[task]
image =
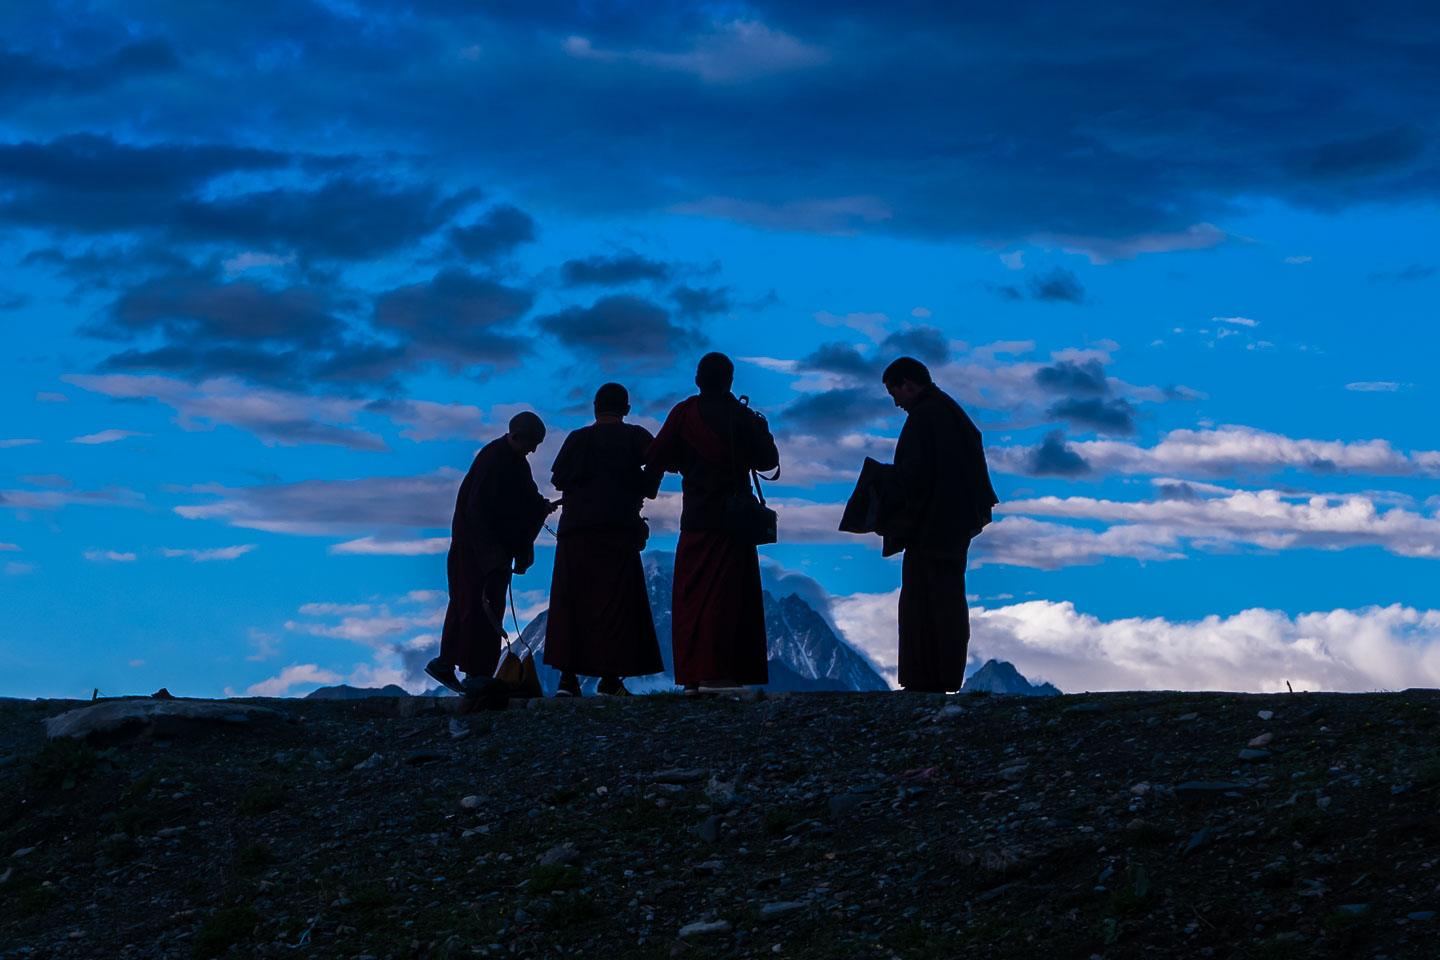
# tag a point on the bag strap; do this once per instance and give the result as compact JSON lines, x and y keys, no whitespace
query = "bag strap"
{"x":510,"y":588}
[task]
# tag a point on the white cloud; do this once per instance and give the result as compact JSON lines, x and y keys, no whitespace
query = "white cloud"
{"x":1373,"y":386}
{"x":1265,"y":519}
{"x":870,"y":324}
{"x":16,"y":569}
{"x":107,"y":436}
{"x":250,"y":259}
{"x":137,"y":663}
{"x":1298,"y":259}
{"x":6,"y":444}
{"x":334,"y":507}
{"x":1234,"y":450}
{"x":425,"y":596}
{"x":295,"y":675}
{"x":371,"y":547}
{"x":841,"y":216}
{"x":10,"y":547}
{"x":51,"y":398}
{"x":1236,"y":321}
{"x":1101,"y":250}
{"x":334,"y":609}
{"x":1014,"y":260}
{"x":921,"y":312}
{"x":732,"y":52}
{"x":208,"y":554}
{"x":109,"y":556}
{"x":1374,"y":648}
{"x":272,"y":416}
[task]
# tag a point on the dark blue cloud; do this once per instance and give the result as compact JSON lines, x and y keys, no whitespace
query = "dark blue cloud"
{"x":1114,"y":416}
{"x":1057,"y":286}
{"x":834,"y":411}
{"x":499,"y":231}
{"x":701,"y":301}
{"x":622,"y":329}
{"x":1052,"y":458}
{"x":618,"y":270}
{"x":457,"y":319}
{"x":1139,"y":127}
{"x":927,"y":344}
{"x":1067,"y":376}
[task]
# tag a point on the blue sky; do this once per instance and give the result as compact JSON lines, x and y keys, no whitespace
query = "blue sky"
{"x":269,"y":276}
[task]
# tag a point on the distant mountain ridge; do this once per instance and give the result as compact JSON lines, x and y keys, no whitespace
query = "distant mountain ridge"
{"x":803,"y":651}
{"x":344,"y":691}
{"x":1000,"y":676}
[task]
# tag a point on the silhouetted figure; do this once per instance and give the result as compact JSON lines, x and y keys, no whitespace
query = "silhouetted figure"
{"x":938,"y":497}
{"x":599,"y":623}
{"x":498,"y":513}
{"x":718,"y":616}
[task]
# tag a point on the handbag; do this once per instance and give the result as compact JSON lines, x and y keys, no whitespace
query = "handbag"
{"x":519,"y":675}
{"x":745,"y":511}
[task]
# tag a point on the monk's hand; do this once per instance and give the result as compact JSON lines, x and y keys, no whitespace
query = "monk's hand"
{"x":524,"y":561}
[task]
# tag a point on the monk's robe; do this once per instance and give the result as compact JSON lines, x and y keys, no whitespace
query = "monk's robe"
{"x":599,"y":624}
{"x":718,"y":613}
{"x":498,"y":513}
{"x":942,"y":498}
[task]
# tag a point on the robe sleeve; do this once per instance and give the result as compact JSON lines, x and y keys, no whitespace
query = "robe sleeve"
{"x":566,"y":470}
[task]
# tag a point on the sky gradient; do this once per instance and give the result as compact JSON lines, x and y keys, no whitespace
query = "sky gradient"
{"x":271,"y":273}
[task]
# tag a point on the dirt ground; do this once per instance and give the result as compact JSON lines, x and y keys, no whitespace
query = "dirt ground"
{"x":808,"y":825}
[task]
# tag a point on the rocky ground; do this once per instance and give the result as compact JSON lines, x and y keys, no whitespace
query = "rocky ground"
{"x":813,"y":825}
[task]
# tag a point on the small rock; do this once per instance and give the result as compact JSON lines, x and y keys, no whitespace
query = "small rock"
{"x":1140,"y":789}
{"x":720,"y":793}
{"x":1261,"y":741}
{"x":471,"y":802}
{"x":948,"y":712}
{"x":773,"y":911}
{"x":676,"y":775}
{"x":1250,"y":756}
{"x":23,"y":852}
{"x":1354,"y":909}
{"x":1184,"y":717}
{"x":709,"y":830}
{"x":6,"y":875}
{"x":1421,"y":915}
{"x":559,"y":854}
{"x":701,"y":929}
{"x":1199,"y":840}
{"x":458,"y":729}
{"x":169,"y":832}
{"x":422,"y":757}
{"x":370,"y":763}
{"x":709,"y":866}
{"x":1266,"y":714}
{"x":1084,"y":708}
{"x":1197,"y":787}
{"x":844,"y":804}
{"x":1323,"y":803}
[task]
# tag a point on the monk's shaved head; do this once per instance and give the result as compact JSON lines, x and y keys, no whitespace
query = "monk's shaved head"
{"x":527,"y":429}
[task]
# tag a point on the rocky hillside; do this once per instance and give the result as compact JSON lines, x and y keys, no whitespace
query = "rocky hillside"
{"x":816,"y":825}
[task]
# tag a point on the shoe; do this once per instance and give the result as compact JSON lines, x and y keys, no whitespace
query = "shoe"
{"x":444,"y":674}
{"x":569,"y":686}
{"x":721,"y":686}
{"x":612,"y":687}
{"x":690,"y":690}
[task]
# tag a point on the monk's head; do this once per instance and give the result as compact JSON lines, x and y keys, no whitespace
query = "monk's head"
{"x":612,"y":400}
{"x":905,"y":380}
{"x":715,"y":373}
{"x":527,"y":431}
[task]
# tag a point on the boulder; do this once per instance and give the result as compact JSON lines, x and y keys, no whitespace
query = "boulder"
{"x":149,"y":716}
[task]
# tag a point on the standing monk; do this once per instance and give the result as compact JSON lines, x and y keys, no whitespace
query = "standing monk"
{"x":599,"y":623}
{"x":718,"y":615}
{"x":942,"y":497}
{"x":498,"y":514}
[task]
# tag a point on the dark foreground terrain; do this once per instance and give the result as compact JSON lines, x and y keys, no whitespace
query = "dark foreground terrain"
{"x":813,"y":825}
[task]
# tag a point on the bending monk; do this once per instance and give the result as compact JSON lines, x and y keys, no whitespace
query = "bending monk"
{"x":498,"y":513}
